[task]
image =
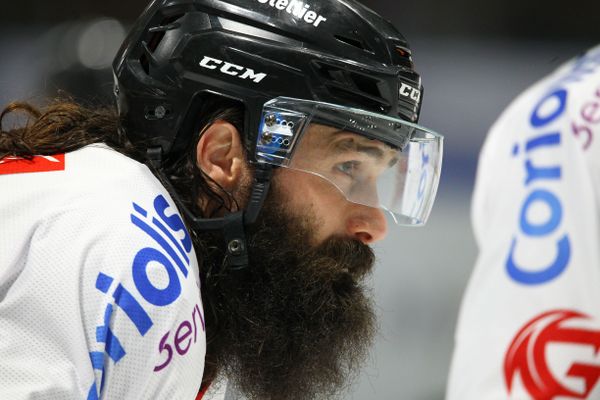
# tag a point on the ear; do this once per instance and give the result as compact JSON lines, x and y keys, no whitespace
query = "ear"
{"x":220,"y":155}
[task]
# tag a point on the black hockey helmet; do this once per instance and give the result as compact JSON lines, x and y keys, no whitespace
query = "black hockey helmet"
{"x":330,"y":51}
{"x":291,"y":64}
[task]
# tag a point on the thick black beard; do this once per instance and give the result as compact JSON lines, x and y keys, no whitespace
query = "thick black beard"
{"x":297,"y":323}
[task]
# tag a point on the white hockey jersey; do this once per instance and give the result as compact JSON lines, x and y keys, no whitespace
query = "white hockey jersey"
{"x":529,"y":327}
{"x":99,"y":286}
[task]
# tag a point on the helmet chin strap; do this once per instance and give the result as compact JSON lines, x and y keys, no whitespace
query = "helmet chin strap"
{"x":232,"y":224}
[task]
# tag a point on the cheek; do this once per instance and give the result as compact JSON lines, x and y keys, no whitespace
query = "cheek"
{"x":317,"y":199}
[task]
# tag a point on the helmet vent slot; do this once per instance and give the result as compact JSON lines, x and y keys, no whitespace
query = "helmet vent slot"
{"x":401,"y":56}
{"x":354,"y":81}
{"x":359,"y":100}
{"x":156,"y":35}
{"x":353,"y":42}
{"x":366,"y":84}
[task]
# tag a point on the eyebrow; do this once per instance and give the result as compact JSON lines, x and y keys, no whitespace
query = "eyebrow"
{"x":350,"y":144}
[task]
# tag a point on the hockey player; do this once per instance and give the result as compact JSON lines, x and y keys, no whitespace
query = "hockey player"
{"x":220,"y":226}
{"x":529,"y":327}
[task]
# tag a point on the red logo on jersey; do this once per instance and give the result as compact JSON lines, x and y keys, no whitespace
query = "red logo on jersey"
{"x":527,"y":355}
{"x":18,"y":165}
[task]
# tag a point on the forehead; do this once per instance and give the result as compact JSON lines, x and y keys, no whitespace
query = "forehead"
{"x":322,"y":136}
{"x":322,"y":140}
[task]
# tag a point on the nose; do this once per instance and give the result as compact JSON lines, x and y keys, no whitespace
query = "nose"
{"x":367,"y":224}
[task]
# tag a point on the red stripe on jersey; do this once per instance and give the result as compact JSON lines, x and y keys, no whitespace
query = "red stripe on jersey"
{"x":202,"y":392}
{"x":17,"y":165}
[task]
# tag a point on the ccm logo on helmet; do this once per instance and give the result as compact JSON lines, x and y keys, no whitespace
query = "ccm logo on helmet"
{"x":409,"y":91}
{"x":232,"y":69}
{"x":298,"y":9}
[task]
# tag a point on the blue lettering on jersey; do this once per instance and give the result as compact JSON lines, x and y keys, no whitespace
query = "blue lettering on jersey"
{"x":154,"y":234}
{"x":174,"y":222}
{"x":153,"y":295}
{"x":174,"y":246}
{"x":539,"y":180}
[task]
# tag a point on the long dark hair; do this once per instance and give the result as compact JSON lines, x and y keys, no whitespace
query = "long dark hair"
{"x":60,"y":127}
{"x":64,"y":126}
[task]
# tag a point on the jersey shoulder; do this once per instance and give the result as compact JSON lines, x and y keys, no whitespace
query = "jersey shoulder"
{"x":554,"y":123}
{"x":555,"y":98}
{"x":104,"y":240}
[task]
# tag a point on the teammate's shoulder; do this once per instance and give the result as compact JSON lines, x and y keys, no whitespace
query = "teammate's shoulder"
{"x":572,"y":76}
{"x":567,"y":80}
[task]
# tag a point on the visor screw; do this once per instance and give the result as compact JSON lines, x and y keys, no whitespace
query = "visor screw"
{"x":235,"y":247}
{"x":266,"y":138}
{"x":270,"y":120}
{"x":160,"y":112}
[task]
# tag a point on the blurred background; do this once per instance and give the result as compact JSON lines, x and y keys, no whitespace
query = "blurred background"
{"x":474,"y":57}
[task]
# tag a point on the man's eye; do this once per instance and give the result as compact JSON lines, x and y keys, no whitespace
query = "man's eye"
{"x":348,"y":168}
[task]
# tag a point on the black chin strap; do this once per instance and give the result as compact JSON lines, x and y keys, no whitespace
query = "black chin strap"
{"x":233,"y":224}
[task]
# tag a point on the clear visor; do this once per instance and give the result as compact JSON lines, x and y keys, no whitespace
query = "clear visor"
{"x":374,"y":160}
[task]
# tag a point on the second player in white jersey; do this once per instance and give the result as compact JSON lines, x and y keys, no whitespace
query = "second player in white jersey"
{"x":529,"y":327}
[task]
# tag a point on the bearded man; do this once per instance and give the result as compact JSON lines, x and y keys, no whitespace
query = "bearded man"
{"x":217,"y":228}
